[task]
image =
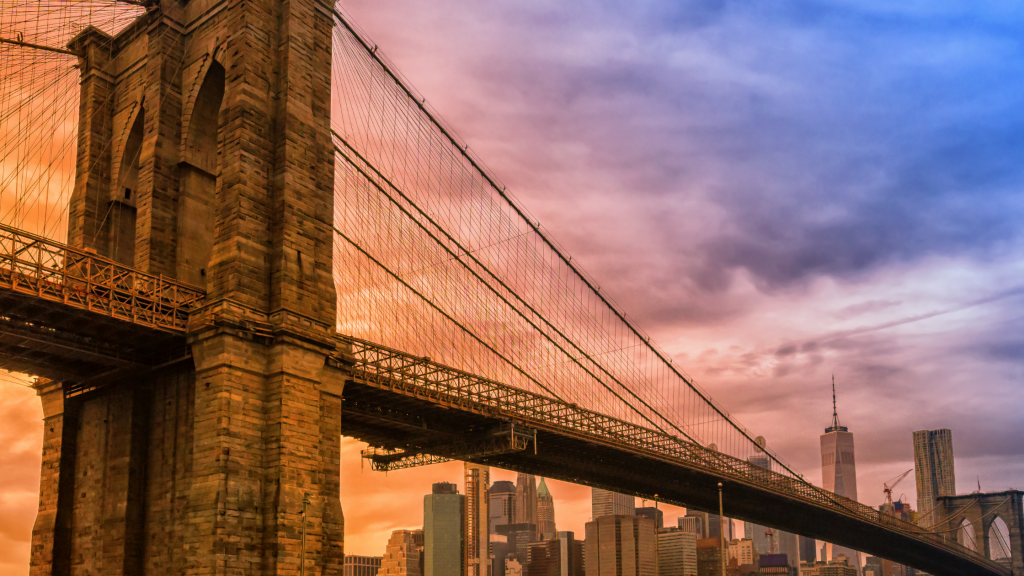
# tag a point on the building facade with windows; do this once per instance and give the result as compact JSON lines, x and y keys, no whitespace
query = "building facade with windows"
{"x":677,"y":552}
{"x":710,"y":557}
{"x":501,"y":508}
{"x":933,"y":470}
{"x":607,"y":503}
{"x":361,"y":565}
{"x":621,"y":545}
{"x":442,"y":531}
{"x":559,"y":556}
{"x":403,"y":555}
{"x":545,"y":512}
{"x":476,"y":536}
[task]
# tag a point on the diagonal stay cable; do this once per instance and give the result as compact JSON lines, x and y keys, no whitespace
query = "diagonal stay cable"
{"x":447,"y":316}
{"x":512,"y":364}
{"x":458,"y":257}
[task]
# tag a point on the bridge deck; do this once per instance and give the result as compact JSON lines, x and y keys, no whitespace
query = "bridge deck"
{"x":398,"y":400}
{"x":67,"y":314}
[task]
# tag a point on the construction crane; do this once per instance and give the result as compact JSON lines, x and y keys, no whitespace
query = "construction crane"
{"x":888,"y":488}
{"x":771,"y":541}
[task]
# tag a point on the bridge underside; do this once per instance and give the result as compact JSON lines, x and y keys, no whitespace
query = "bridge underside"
{"x":59,"y":342}
{"x":384,"y":418}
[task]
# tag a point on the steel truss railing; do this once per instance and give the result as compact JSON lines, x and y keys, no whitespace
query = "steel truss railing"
{"x":40,"y":267}
{"x":421,"y":378}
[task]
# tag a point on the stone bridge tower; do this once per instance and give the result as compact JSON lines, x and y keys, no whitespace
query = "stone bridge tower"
{"x":981,"y":510}
{"x":205,"y":155}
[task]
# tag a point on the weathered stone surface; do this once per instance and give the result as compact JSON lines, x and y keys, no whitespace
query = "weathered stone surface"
{"x":205,"y":155}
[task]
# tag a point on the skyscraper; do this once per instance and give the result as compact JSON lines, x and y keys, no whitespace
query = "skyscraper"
{"x":620,"y":545}
{"x":677,"y":552}
{"x":838,"y":468}
{"x":653,"y":513}
{"x":764,"y":537}
{"x":501,"y":508}
{"x":807,"y":549}
{"x":501,"y":511}
{"x":709,"y":525}
{"x":518,"y":537}
{"x":402,"y":557}
{"x":442,"y":531}
{"x":499,"y":553}
{"x":526,"y":499}
{"x":692,"y":524}
{"x":606,"y":503}
{"x":475,"y":529}
{"x":545,"y":512}
{"x":933,"y":467}
{"x":710,"y":557}
{"x":559,"y":556}
{"x":716,"y":523}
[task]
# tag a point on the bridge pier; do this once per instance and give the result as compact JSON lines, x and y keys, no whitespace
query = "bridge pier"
{"x":267,"y":433}
{"x":50,"y":531}
{"x":204,"y":155}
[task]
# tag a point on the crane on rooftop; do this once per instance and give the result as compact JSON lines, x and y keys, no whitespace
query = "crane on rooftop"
{"x":888,"y":488}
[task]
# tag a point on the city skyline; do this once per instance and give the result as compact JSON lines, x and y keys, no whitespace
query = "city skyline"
{"x":902,"y":309}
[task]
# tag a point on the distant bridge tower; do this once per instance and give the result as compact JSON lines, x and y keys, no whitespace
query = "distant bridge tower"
{"x":980,"y":511}
{"x":204,"y":154}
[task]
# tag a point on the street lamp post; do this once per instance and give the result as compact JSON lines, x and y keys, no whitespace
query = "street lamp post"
{"x":657,"y":555}
{"x":721,"y":526}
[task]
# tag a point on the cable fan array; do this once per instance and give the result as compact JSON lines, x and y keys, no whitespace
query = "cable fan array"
{"x":436,"y":258}
{"x":39,"y":106}
{"x":432,"y":255}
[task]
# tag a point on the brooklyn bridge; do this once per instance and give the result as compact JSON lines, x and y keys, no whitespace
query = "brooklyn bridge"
{"x":268,"y":241}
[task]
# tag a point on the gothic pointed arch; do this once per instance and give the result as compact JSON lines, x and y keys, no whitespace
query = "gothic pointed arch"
{"x":198,"y":177}
{"x":122,"y":211}
{"x":201,"y":138}
{"x":128,"y":167}
{"x":998,"y":539}
{"x":965,"y":535}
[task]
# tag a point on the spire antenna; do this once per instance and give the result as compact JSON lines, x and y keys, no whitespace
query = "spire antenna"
{"x":835,"y":413}
{"x":835,"y":427}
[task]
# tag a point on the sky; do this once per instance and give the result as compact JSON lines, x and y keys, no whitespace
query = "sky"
{"x":776,"y":192}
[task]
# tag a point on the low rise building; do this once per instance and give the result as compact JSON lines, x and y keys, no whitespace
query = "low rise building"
{"x":361,"y":565}
{"x":839,"y":567}
{"x":777,"y":564}
{"x":742,"y":549}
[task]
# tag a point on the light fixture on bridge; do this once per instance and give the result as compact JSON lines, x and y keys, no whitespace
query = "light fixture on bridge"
{"x":505,"y":439}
